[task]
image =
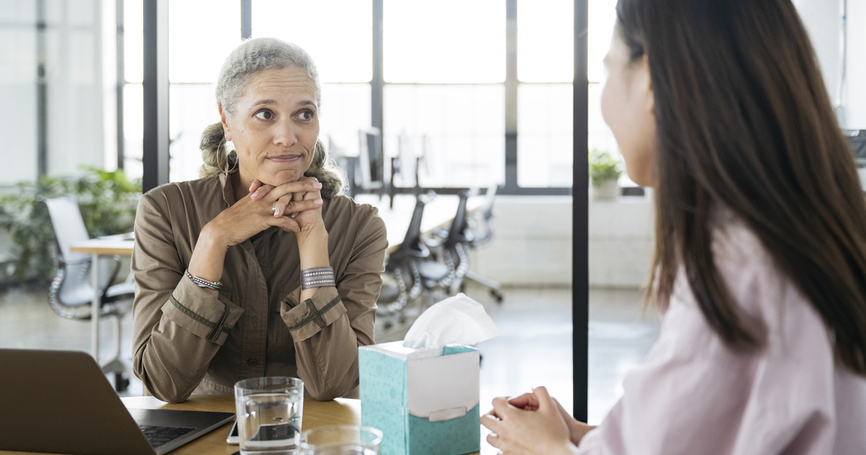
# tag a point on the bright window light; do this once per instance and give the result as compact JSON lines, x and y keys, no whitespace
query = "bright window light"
{"x":602,"y":14}
{"x":545,"y":40}
{"x":544,"y":135}
{"x":457,"y":130}
{"x":448,"y":41}
{"x":133,"y":40}
{"x":338,"y":34}
{"x":200,"y":37}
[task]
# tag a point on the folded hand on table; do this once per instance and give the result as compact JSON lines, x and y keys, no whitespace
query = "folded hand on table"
{"x":533,"y":423}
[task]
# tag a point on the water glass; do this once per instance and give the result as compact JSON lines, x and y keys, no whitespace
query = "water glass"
{"x":269,"y":412}
{"x":340,"y":440}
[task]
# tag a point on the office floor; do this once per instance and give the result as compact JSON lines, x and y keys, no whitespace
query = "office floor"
{"x":533,"y":347}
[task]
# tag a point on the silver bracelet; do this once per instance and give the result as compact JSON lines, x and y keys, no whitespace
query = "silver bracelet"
{"x":203,"y":283}
{"x":317,"y":277}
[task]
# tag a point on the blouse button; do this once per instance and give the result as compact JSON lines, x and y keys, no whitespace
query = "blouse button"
{"x":252,"y":362}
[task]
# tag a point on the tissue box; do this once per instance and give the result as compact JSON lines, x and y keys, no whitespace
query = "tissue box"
{"x":425,"y":401}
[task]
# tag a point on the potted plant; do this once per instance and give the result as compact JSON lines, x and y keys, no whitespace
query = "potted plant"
{"x":604,"y":171}
{"x":107,"y":201}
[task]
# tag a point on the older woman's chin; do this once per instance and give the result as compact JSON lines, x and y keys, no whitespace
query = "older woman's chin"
{"x":282,"y":177}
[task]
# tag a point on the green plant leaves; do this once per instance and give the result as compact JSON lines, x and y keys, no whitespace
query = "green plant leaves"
{"x":603,"y":166}
{"x":107,"y":200}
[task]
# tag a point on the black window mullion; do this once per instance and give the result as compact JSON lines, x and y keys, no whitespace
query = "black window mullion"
{"x":580,"y":218}
{"x":511,"y":83}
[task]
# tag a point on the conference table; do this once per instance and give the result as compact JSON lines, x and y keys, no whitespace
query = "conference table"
{"x":342,"y":411}
{"x":437,"y":214}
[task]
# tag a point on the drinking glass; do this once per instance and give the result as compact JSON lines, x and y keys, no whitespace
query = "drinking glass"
{"x":269,"y":412}
{"x":340,"y":440}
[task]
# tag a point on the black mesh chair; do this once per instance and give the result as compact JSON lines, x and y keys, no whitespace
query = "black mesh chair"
{"x":71,"y":293}
{"x":411,"y":268}
{"x":464,"y":234}
{"x":483,"y":223}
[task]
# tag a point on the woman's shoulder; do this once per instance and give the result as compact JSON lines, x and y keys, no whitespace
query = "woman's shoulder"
{"x":174,"y":192}
{"x":757,"y":282}
{"x":344,"y":214}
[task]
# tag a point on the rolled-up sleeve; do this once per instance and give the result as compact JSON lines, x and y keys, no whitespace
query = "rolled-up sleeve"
{"x":177,"y":326}
{"x":328,"y":328}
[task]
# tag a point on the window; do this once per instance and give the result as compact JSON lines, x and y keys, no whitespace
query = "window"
{"x":545,"y":40}
{"x":338,"y":34}
{"x":456,"y":130}
{"x":544,"y":143}
{"x":446,"y":96}
{"x":448,"y":41}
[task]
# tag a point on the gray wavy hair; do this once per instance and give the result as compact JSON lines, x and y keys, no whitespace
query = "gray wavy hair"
{"x":249,"y":59}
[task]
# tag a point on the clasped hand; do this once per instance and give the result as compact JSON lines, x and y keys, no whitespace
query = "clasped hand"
{"x":533,"y":423}
{"x":294,"y":206}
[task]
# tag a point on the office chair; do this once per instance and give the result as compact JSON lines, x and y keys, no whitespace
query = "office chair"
{"x":456,"y":242}
{"x":484,"y":220}
{"x":71,"y":292}
{"x":411,"y":267}
{"x":453,"y":244}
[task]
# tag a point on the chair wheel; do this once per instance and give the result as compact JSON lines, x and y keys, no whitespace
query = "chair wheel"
{"x":121,"y":382}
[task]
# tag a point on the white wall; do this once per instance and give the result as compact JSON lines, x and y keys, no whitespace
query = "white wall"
{"x":532,"y":242}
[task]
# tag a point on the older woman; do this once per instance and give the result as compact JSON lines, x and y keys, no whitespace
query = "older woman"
{"x":260,"y":267}
{"x":760,"y":265}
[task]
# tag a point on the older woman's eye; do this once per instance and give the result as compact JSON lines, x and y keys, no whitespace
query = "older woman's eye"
{"x":306,"y":115}
{"x":264,"y":115}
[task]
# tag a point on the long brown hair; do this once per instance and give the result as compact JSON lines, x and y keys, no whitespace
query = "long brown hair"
{"x":744,"y":121}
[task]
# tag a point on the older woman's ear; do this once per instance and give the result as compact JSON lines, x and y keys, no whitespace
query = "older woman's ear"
{"x":224,"y":121}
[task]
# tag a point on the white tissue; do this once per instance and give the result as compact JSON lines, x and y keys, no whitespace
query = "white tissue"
{"x":455,"y":320}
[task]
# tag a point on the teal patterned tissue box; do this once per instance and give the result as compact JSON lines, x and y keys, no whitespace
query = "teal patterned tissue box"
{"x":425,"y":401}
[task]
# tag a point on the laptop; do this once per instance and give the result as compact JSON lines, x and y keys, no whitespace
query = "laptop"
{"x":60,"y":402}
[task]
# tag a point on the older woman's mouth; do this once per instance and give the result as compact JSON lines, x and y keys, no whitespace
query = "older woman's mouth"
{"x":284,"y":158}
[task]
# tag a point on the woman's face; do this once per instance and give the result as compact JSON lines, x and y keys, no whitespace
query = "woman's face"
{"x":627,"y":108}
{"x":275,"y":126}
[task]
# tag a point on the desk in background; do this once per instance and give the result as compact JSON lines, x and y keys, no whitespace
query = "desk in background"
{"x":120,"y":245}
{"x":437,"y":214}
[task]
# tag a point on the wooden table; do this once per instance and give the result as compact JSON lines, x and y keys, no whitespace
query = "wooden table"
{"x":342,"y":411}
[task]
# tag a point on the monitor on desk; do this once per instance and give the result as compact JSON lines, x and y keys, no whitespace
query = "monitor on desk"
{"x":372,"y":164}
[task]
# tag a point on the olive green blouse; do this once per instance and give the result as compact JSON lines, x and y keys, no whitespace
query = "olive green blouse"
{"x":187,"y":341}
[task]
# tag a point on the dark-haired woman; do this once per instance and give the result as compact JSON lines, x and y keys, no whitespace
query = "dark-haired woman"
{"x":760,"y":264}
{"x":261,"y":267}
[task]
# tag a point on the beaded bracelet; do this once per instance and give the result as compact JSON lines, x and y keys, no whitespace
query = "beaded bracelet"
{"x":317,"y":277}
{"x":203,"y":283}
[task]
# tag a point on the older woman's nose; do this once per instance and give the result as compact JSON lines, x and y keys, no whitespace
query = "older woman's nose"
{"x":285,"y":133}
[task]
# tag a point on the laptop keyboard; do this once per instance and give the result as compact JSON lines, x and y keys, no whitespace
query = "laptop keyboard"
{"x":158,"y":436}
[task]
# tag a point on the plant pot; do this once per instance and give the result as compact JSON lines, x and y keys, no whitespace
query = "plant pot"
{"x":607,"y":191}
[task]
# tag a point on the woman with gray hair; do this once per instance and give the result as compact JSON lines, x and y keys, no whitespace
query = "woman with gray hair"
{"x":261,"y":267}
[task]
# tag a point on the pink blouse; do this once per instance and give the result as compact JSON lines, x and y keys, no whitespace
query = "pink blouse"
{"x":693,"y":395}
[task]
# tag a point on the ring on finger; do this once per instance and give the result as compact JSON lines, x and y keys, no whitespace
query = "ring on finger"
{"x":274,"y":208}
